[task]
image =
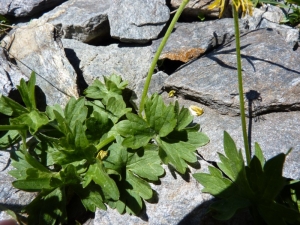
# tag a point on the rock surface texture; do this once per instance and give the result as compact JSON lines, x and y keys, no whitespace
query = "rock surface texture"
{"x":82,"y":20}
{"x":20,"y":8}
{"x":198,"y":63}
{"x":139,"y":26}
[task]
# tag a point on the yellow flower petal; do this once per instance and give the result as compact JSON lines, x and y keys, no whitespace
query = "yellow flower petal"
{"x":172,"y":93}
{"x":102,"y":154}
{"x":195,"y":110}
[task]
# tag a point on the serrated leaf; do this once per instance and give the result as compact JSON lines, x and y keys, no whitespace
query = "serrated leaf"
{"x":197,"y":139}
{"x":184,"y":118}
{"x":8,"y":138}
{"x":178,"y":153}
{"x":34,"y":120}
{"x":146,"y":164}
{"x":97,"y":173}
{"x":136,"y":131}
{"x":214,"y":184}
{"x":160,"y":117}
{"x":35,"y":181}
{"x":75,"y":112}
{"x":139,"y":186}
{"x":91,"y":197}
{"x":50,"y":111}
{"x":117,"y":108}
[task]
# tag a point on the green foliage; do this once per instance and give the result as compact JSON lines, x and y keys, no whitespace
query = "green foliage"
{"x":94,"y":149}
{"x":259,"y":186}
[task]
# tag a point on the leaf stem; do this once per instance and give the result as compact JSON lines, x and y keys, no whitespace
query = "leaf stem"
{"x":105,"y":142}
{"x":157,"y":54}
{"x":13,"y":127}
{"x":240,"y":83}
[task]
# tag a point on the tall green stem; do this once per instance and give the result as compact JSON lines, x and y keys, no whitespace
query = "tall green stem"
{"x":240,"y":82}
{"x":157,"y":54}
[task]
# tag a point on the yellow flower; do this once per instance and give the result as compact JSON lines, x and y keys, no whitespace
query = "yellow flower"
{"x":102,"y":154}
{"x":195,"y":110}
{"x":246,"y":6}
{"x":172,"y":93}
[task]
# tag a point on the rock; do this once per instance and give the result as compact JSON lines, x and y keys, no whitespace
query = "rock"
{"x":10,"y":197}
{"x":275,"y":132}
{"x":82,"y":20}
{"x":130,"y":62}
{"x":270,"y":67}
{"x":188,"y":41}
{"x":156,"y":86}
{"x":19,"y":8}
{"x":10,"y":75}
{"x":179,"y":202}
{"x":137,"y":21}
{"x":269,"y":16}
{"x":45,"y":55}
{"x":197,"y":8}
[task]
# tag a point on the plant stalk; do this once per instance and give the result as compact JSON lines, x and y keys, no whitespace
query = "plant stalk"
{"x":157,"y":54}
{"x":240,"y":83}
{"x":105,"y":142}
{"x":13,"y":127}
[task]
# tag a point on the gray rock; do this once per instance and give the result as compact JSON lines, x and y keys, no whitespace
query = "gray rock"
{"x":275,"y":132}
{"x":270,"y":66}
{"x":10,"y":197}
{"x":137,"y":21}
{"x":130,"y":62}
{"x":45,"y":55}
{"x":10,"y":75}
{"x":20,"y":8}
{"x":156,"y":86}
{"x":191,"y":40}
{"x":269,"y":16}
{"x":82,"y":20}
{"x":195,"y":8}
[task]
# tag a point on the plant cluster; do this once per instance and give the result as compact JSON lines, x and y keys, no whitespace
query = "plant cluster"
{"x":95,"y":152}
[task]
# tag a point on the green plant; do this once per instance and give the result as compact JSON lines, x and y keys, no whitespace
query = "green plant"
{"x":254,"y":184}
{"x":257,"y":186}
{"x":95,"y":151}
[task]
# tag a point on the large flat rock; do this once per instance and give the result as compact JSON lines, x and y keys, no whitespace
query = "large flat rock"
{"x":130,"y":62}
{"x":45,"y":55}
{"x":271,"y":68}
{"x":191,"y":40}
{"x":138,"y":21}
{"x":20,"y":8}
{"x":82,"y":20}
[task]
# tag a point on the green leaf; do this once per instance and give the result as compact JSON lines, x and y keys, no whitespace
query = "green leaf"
{"x":178,"y":153}
{"x":160,"y":117}
{"x":75,"y":112}
{"x":226,"y":208}
{"x":112,"y":88}
{"x":139,"y":186}
{"x":136,"y":131}
{"x":97,"y":173}
{"x":97,"y":126}
{"x":184,"y":117}
{"x":146,"y":164}
{"x":49,"y":208}
{"x":28,"y":91}
{"x":35,"y":181}
{"x":11,"y":108}
{"x":91,"y":197}
{"x":197,"y":139}
{"x":214,"y":184}
{"x":259,"y":154}
{"x":34,"y":120}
